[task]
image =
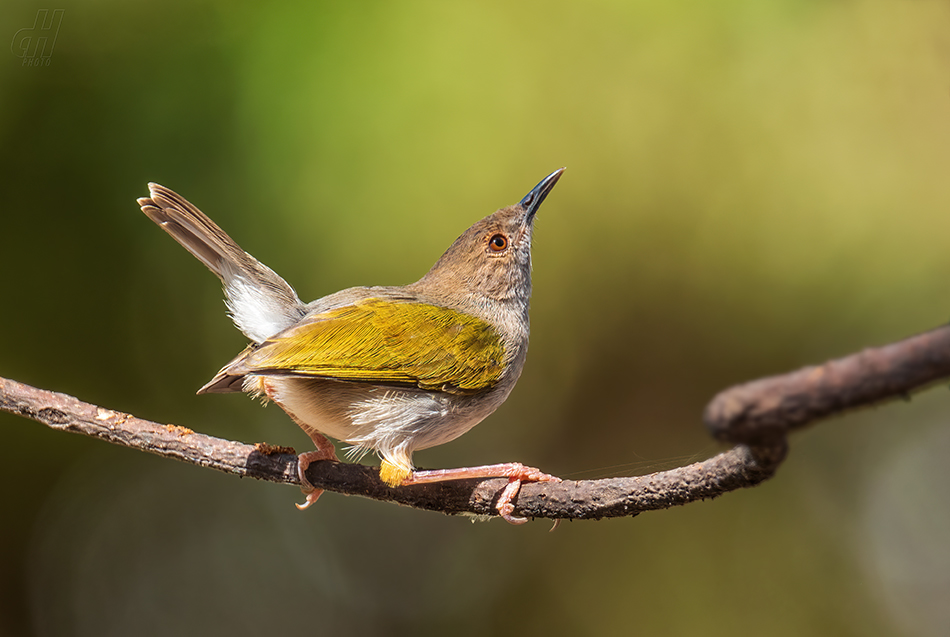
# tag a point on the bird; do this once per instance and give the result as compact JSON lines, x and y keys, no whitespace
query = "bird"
{"x":387,"y":369}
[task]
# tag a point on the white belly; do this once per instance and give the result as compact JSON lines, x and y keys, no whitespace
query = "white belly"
{"x":393,"y":422}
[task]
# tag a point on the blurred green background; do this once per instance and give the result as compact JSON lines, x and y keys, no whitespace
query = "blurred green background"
{"x":751,"y":187}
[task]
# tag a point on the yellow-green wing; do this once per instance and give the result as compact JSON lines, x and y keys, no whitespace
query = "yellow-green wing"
{"x":382,"y":341}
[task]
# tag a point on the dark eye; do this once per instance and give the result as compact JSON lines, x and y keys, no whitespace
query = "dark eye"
{"x":498,"y":243}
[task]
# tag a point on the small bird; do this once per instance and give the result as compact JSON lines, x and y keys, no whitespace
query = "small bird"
{"x":389,"y":369}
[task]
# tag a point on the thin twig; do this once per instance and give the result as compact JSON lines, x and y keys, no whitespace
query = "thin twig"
{"x":755,"y":416}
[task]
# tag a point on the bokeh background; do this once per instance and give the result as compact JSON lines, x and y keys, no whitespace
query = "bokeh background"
{"x":751,"y":187}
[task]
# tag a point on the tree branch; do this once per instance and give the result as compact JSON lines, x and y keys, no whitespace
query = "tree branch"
{"x":771,"y":407}
{"x":756,"y":417}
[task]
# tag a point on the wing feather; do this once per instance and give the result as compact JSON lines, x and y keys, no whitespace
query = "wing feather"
{"x":383,"y":341}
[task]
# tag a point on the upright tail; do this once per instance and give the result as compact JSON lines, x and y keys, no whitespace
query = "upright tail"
{"x":260,"y":302}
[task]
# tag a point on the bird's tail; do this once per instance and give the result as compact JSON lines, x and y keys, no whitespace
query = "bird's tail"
{"x":260,"y":302}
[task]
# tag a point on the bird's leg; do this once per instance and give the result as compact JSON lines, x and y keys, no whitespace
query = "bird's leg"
{"x":324,"y":451}
{"x":514,"y":471}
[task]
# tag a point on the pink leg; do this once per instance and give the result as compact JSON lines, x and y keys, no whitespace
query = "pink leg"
{"x":325,"y":451}
{"x":514,"y":471}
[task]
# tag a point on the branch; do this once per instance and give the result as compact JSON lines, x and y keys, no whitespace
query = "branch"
{"x":756,"y":417}
{"x":773,"y":406}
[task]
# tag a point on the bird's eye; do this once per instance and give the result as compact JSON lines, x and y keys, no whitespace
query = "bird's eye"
{"x":498,"y":243}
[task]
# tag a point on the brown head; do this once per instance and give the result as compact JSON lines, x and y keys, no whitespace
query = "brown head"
{"x":492,"y":259}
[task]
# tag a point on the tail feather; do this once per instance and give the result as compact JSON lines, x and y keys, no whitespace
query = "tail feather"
{"x":260,"y":302}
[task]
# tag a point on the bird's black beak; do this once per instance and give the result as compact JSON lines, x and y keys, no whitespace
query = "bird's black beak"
{"x":532,"y":201}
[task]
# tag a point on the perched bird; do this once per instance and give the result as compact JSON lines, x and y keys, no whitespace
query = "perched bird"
{"x":389,"y":369}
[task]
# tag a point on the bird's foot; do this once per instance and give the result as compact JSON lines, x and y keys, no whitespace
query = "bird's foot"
{"x":514,"y":471}
{"x":325,"y":451}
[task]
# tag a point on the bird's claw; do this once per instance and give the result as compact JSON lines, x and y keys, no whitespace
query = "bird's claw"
{"x":518,"y":474}
{"x":303,"y":461}
{"x":313,"y":494}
